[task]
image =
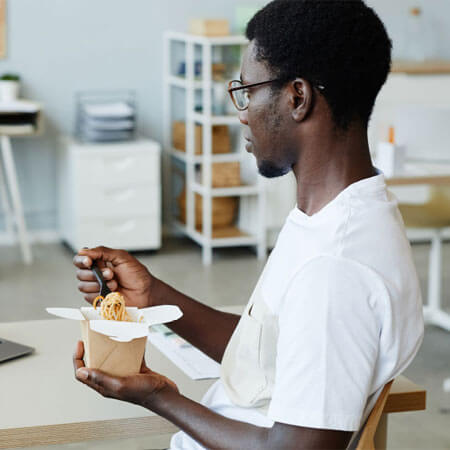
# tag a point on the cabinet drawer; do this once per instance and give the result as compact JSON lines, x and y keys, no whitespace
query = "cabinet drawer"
{"x":131,"y":233}
{"x":115,"y":168}
{"x":100,"y":201}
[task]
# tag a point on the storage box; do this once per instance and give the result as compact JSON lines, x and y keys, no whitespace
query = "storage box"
{"x":220,"y":138}
{"x":117,"y":347}
{"x":224,"y":210}
{"x":209,"y":27}
{"x":226,"y":174}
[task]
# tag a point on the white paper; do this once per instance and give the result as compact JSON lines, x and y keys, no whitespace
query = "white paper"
{"x":194,"y":363}
{"x":18,"y":106}
{"x":113,"y":110}
{"x":107,"y":124}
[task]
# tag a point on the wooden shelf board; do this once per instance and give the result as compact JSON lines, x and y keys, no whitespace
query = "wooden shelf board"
{"x":215,"y":157}
{"x":228,"y":232}
{"x":421,"y":68}
{"x":222,"y":232}
{"x":231,"y":232}
{"x":232,"y":191}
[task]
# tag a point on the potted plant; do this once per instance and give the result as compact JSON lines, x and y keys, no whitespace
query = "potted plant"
{"x":9,"y":87}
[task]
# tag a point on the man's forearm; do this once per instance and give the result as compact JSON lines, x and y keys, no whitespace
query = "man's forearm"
{"x":207,"y":427}
{"x":202,"y":326}
{"x":215,"y":431}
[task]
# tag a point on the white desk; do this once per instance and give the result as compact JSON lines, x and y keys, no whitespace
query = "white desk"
{"x":41,"y":403}
{"x":10,"y":187}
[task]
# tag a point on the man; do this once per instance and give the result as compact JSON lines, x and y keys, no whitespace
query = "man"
{"x":336,"y":313}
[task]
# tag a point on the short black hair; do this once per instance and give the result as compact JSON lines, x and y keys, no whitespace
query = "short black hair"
{"x":340,"y":44}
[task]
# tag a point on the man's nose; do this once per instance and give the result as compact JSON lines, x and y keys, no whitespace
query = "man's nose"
{"x":243,"y":117}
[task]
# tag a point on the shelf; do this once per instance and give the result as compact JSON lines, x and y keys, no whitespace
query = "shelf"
{"x":204,"y":119}
{"x":221,"y":237}
{"x":235,"y":191}
{"x":431,"y":67}
{"x":215,"y":157}
{"x":191,"y":44}
{"x":181,"y":82}
{"x":202,"y":40}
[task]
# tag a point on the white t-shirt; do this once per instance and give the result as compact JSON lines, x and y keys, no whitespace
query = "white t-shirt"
{"x":344,"y":289}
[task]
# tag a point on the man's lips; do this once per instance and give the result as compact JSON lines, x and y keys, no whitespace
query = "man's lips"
{"x":248,"y":144}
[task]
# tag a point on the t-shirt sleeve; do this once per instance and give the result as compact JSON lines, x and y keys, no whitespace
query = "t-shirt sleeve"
{"x":327,"y":347}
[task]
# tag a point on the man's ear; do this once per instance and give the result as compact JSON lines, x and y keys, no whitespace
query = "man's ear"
{"x":300,"y":98}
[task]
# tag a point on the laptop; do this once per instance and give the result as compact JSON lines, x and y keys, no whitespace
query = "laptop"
{"x":11,"y":350}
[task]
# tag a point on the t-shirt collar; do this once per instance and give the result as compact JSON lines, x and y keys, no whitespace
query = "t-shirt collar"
{"x":366,"y":185}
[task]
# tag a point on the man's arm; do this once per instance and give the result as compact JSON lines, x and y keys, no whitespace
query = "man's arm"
{"x":204,"y":327}
{"x":160,"y":395}
{"x":215,"y":431}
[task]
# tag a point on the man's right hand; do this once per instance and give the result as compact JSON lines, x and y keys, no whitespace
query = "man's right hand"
{"x":123,"y":273}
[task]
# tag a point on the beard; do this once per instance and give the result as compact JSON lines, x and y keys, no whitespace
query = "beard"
{"x":270,"y":170}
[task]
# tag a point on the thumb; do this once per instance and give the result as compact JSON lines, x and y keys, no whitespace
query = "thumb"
{"x":106,"y":254}
{"x":98,"y":379}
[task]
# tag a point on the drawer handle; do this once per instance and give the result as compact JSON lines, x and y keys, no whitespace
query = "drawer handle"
{"x":122,"y":195}
{"x":126,"y":227}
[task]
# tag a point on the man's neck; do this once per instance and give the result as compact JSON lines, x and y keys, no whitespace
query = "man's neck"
{"x":331,"y":162}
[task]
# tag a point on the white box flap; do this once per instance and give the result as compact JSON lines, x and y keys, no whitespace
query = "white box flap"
{"x":160,"y":314}
{"x":66,"y":313}
{"x":119,"y":331}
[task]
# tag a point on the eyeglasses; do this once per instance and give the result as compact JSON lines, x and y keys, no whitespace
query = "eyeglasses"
{"x":239,"y":92}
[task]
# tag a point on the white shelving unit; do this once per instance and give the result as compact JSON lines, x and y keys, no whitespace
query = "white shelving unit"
{"x":206,"y":238}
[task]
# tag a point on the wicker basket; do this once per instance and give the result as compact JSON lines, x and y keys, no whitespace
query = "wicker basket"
{"x":220,"y":138}
{"x":224,"y":210}
{"x":224,"y":174}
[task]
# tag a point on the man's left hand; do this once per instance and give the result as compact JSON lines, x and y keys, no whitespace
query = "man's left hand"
{"x":139,"y":389}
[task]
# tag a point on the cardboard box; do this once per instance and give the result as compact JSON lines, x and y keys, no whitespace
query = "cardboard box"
{"x":220,"y":138}
{"x":224,"y":210}
{"x":112,"y":346}
{"x":209,"y":27}
{"x":226,"y":174}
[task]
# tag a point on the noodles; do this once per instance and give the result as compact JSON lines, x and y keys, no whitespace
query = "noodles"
{"x":112,"y":307}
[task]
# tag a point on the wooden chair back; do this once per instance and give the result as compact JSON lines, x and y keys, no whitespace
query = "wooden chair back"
{"x":367,"y":439}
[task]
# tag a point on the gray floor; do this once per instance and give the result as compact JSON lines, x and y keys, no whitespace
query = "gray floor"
{"x":25,"y":291}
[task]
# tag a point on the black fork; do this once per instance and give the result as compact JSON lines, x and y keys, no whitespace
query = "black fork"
{"x":104,"y":289}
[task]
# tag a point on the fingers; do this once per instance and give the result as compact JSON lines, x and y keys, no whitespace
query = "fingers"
{"x":144,"y":368}
{"x":89,"y":288}
{"x":93,"y":291}
{"x":91,"y":297}
{"x":103,"y":383}
{"x":78,"y":362}
{"x":94,"y":287}
{"x":106,"y":254}
{"x":88,"y":275}
{"x":89,"y":285}
{"x":82,"y":261}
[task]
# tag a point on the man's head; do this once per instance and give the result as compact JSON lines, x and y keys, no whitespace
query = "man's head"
{"x":329,"y":59}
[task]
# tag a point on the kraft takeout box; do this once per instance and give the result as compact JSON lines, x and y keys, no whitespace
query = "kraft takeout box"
{"x":112,"y":346}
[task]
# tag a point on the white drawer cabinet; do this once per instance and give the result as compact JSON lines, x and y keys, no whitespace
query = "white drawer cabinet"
{"x":110,"y":194}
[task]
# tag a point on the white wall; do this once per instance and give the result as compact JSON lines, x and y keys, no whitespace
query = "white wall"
{"x":62,"y":46}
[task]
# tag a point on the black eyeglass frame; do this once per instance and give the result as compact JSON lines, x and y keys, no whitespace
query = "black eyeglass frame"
{"x":246,"y":86}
